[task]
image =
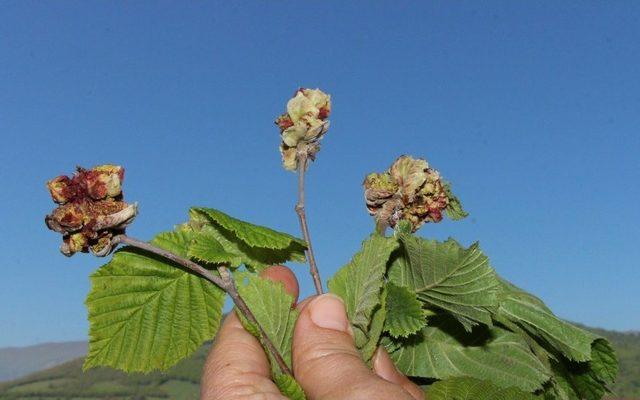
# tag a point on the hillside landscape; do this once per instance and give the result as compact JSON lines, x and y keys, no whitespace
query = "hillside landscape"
{"x":68,"y":382}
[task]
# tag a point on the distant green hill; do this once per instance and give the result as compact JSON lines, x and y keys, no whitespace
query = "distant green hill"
{"x":67,"y":381}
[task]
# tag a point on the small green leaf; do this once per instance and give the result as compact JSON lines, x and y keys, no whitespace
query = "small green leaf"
{"x":146,"y":313}
{"x":448,"y":276}
{"x":255,"y":258}
{"x":454,"y":210}
{"x":205,"y":248}
{"x":405,"y":315}
{"x":376,"y":327}
{"x":272,"y":307}
{"x":252,"y":235}
{"x":444,"y":350}
{"x":359,"y":284}
{"x":289,"y":387}
{"x":466,"y":388}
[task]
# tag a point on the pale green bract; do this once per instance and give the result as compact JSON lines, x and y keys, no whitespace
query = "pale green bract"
{"x":146,"y":313}
{"x":445,"y":275}
{"x":359,"y":284}
{"x":474,"y":389}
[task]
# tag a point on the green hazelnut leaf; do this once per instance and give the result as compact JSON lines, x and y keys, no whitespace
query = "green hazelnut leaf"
{"x":405,"y":315}
{"x":273,"y":308}
{"x":252,"y":235}
{"x":255,"y":258}
{"x":530,"y":313}
{"x":466,"y":388}
{"x":146,"y":313}
{"x":359,"y":283}
{"x":447,"y":276}
{"x":444,"y":349}
{"x":207,"y":249}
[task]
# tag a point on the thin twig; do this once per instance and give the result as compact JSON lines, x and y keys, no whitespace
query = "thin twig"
{"x":224,"y":282}
{"x":190,"y":265}
{"x":313,"y":267}
{"x":239,"y":302}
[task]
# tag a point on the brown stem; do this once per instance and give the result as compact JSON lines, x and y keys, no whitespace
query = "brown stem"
{"x":313,"y":267}
{"x":224,"y":282}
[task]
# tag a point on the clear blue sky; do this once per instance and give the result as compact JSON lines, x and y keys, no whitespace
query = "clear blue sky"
{"x":532,"y":110}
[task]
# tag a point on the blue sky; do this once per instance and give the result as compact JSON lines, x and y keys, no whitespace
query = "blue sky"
{"x":531,"y":110}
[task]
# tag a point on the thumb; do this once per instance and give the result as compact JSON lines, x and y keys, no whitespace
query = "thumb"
{"x":326,"y":362}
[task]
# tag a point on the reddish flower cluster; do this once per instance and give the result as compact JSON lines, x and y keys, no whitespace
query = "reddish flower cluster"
{"x":91,"y":210}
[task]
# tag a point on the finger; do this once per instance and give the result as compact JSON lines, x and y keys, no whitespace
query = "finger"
{"x":280,"y":273}
{"x":384,"y":367}
{"x":237,"y":365}
{"x":325,"y":360}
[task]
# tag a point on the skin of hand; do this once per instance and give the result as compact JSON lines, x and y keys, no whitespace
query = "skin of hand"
{"x":325,"y":360}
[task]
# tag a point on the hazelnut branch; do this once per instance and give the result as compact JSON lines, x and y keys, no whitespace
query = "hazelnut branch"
{"x":313,"y":268}
{"x":224,"y":282}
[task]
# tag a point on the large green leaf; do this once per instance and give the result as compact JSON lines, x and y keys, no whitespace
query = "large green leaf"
{"x":583,"y":364}
{"x":207,"y":230}
{"x":474,"y":389}
{"x":532,"y":315}
{"x":252,"y":235}
{"x":405,"y":315}
{"x":359,"y":284}
{"x":447,"y":276}
{"x":443,"y":350}
{"x":273,"y":308}
{"x":146,"y":313}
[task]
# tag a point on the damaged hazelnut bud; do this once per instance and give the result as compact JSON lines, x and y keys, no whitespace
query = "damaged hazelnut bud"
{"x":411,"y":191}
{"x":303,"y":125}
{"x":91,"y":209}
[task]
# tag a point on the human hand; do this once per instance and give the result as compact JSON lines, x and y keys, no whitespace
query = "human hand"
{"x":326,"y":362}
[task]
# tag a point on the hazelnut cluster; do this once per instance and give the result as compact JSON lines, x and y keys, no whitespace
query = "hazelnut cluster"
{"x":409,"y":190}
{"x":90,"y":209}
{"x":303,"y":125}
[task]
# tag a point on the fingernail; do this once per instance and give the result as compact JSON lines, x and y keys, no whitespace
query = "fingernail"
{"x":384,"y":367}
{"x":327,"y":311}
